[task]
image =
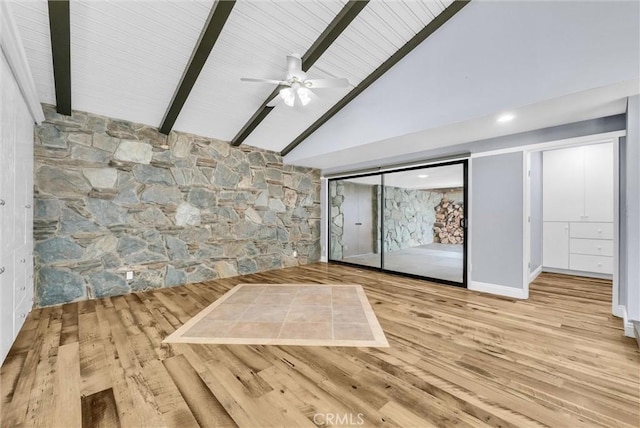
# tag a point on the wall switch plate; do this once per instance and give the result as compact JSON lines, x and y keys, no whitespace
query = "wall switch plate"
{"x":130,"y":275}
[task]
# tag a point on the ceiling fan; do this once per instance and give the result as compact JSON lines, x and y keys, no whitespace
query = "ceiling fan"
{"x":298,"y":87}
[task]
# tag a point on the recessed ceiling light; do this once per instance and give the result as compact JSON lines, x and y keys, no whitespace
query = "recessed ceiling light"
{"x":423,"y":176}
{"x":507,"y":117}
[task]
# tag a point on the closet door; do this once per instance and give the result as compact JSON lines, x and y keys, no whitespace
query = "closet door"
{"x":563,"y":184}
{"x":598,"y":161}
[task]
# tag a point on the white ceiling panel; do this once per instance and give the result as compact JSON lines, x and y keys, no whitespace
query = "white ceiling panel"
{"x":127,"y":57}
{"x":373,"y":36}
{"x":255,"y":42}
{"x":32,"y":20}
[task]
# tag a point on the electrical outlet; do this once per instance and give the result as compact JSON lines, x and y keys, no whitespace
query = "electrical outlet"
{"x":295,"y":253}
{"x":130,"y":275}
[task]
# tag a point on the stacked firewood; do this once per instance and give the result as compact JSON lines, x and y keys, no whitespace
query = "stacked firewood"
{"x":447,"y":228}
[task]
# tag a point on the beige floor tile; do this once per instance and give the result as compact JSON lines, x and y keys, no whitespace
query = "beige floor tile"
{"x":227,"y":311}
{"x":251,"y":289}
{"x":242,"y":298}
{"x":352,"y":331}
{"x":310,"y":289}
{"x":259,"y":330}
{"x":345,"y":299}
{"x":312,"y":299}
{"x":309,"y":313}
{"x":210,"y":328}
{"x":354,"y":313}
{"x":266,"y":313}
{"x":274,"y":299}
{"x":306,"y":330}
{"x":283,"y":289}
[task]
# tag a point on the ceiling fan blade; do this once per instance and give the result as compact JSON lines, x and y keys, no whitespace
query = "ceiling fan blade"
{"x":275,"y":101}
{"x":294,"y":65}
{"x":275,"y":82}
{"x":326,"y":83}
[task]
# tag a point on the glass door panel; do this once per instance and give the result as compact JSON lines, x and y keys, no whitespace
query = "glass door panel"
{"x":423,"y":222}
{"x":354,"y":223}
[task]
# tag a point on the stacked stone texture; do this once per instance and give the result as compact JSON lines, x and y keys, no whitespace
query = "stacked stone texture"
{"x":114,"y":196}
{"x":448,"y":228}
{"x":409,"y":216}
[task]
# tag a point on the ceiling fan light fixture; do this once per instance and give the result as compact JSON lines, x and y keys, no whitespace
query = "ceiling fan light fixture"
{"x":305,"y":95}
{"x":288,"y":96}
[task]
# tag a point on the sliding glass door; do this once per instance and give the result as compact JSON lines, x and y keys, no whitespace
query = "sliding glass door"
{"x":410,"y":221}
{"x":354,"y":206}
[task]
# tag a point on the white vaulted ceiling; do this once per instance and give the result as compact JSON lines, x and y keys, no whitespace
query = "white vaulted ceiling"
{"x":549,"y":62}
{"x":128,"y":56}
{"x":254,"y":43}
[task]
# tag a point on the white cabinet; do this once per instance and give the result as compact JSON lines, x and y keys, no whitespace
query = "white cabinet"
{"x":578,"y":208}
{"x":563,"y":185}
{"x":16,"y":209}
{"x":598,"y":183}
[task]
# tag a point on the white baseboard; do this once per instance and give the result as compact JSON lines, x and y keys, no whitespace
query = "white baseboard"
{"x":618,"y":311}
{"x":501,"y":290}
{"x":533,"y":275}
{"x":628,"y":325}
{"x":578,"y":273}
{"x":323,"y":259}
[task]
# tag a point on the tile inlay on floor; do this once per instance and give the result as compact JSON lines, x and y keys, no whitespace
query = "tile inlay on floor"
{"x":286,"y":314}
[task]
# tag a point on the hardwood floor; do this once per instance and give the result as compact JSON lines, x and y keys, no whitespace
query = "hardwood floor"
{"x":456,"y":358}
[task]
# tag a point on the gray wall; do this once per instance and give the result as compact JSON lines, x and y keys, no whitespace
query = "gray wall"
{"x":496,"y":219}
{"x":622,"y":223}
{"x":114,"y":196}
{"x":536,"y":210}
{"x":631,"y":250}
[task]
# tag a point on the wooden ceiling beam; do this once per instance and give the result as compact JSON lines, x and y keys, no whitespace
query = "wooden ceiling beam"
{"x":328,"y":36}
{"x":420,"y":37}
{"x":218,"y":16}
{"x":60,"y":32}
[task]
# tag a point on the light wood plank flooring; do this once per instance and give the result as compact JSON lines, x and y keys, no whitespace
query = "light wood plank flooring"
{"x":456,"y":358}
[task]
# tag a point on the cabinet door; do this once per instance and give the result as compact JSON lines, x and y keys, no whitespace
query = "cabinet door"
{"x":563,"y":184}
{"x":598,"y":162}
{"x":6,"y":304}
{"x":555,"y":242}
{"x":9,"y":94}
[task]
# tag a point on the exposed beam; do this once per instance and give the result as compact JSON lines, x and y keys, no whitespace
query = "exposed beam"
{"x":60,"y":30}
{"x":328,"y":36}
{"x":218,"y":16}
{"x":420,"y":37}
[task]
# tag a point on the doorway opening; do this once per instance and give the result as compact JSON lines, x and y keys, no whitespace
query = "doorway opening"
{"x":410,"y":221}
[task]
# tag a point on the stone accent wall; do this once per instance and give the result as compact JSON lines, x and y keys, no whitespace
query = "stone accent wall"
{"x":336,"y":213}
{"x":409,"y":216}
{"x":113,"y":196}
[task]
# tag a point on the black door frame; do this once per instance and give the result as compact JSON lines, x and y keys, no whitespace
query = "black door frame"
{"x":465,"y":228}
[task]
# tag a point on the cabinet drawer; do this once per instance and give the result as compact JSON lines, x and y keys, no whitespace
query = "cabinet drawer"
{"x":593,"y":247}
{"x":591,"y":230}
{"x":585,"y":263}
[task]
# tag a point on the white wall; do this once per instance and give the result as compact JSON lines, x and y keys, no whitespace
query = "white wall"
{"x":493,"y":55}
